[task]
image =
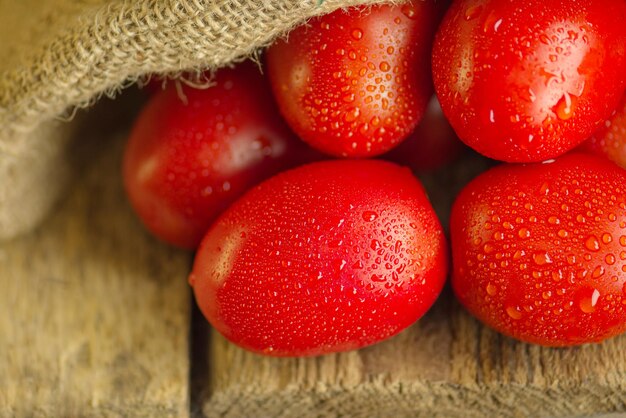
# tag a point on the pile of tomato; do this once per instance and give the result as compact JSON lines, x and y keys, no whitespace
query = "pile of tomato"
{"x":308,"y":245}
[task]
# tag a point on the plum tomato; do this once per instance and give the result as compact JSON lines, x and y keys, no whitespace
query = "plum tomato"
{"x":539,"y":250}
{"x":610,"y":140}
{"x":432,"y":145}
{"x":327,"y":257}
{"x":354,"y":83}
{"x":185,"y":162}
{"x":524,"y":81}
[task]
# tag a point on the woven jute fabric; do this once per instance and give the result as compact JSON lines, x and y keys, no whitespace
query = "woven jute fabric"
{"x":60,"y":55}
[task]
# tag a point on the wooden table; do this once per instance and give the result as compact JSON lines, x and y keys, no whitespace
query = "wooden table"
{"x":96,"y":320}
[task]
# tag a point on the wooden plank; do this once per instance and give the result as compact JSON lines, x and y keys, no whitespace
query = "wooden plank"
{"x":94,"y":313}
{"x":446,"y":365}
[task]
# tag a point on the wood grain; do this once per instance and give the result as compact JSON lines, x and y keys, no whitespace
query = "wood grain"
{"x":94,"y":314}
{"x":446,"y":365}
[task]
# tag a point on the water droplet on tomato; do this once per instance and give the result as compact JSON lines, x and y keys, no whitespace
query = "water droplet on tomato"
{"x":473,"y":12}
{"x":377,"y":278}
{"x":542,"y":258}
{"x":357,"y":33}
{"x":369,"y":216}
{"x":491,"y":289}
{"x":589,"y":300}
{"x":598,"y":272}
{"x":349,"y":98}
{"x":514,"y":312}
{"x":564,"y":107}
{"x":409,"y":11}
{"x":592,"y":243}
{"x":352,"y":114}
{"x":609,"y":259}
{"x":497,"y":24}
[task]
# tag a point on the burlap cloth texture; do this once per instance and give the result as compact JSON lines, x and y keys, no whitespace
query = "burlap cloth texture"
{"x":57,"y":55}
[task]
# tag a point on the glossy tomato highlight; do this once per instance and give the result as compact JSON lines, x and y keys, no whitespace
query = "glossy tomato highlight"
{"x":328,"y":257}
{"x":539,"y":250}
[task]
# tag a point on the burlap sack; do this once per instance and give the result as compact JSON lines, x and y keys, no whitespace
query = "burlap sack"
{"x":57,"y":55}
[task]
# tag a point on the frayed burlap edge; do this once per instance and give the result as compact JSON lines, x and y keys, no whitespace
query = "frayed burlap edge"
{"x":102,"y":53}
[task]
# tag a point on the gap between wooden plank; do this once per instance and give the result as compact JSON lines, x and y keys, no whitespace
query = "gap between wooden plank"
{"x":199,"y":366}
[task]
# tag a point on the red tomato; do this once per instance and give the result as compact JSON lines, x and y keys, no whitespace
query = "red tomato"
{"x":529,"y":80}
{"x":610,"y":140}
{"x":432,"y":145}
{"x":186,"y":162}
{"x":539,"y":250}
{"x":328,"y":257}
{"x":355,"y":83}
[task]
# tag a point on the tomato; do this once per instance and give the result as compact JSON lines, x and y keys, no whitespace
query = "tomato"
{"x":524,"y":81}
{"x":327,"y":257}
{"x":610,"y":140}
{"x":355,"y":83}
{"x":432,"y":145}
{"x":539,"y":250}
{"x":185,"y":162}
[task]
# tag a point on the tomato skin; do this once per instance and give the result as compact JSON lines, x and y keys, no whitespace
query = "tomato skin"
{"x":610,"y":140}
{"x":539,"y":250}
{"x":527,"y":81}
{"x":327,"y":257}
{"x":432,"y":145}
{"x":355,"y":83}
{"x":185,"y":163}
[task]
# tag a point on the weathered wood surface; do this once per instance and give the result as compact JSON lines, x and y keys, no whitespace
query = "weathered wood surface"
{"x":94,"y":314}
{"x":446,"y":365}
